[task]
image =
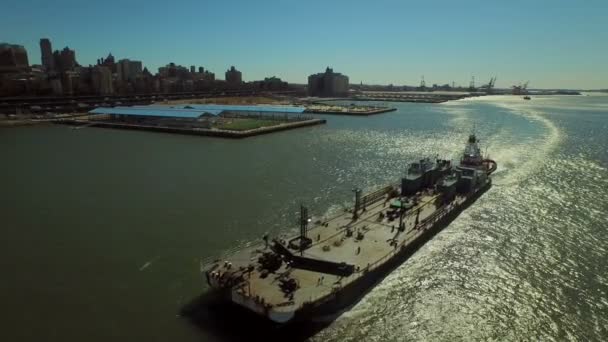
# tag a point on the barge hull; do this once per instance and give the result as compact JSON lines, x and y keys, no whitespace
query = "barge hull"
{"x":355,"y":291}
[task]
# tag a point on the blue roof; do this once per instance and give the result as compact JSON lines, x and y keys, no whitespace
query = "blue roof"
{"x":154,"y":111}
{"x":194,"y":110}
{"x":235,"y":108}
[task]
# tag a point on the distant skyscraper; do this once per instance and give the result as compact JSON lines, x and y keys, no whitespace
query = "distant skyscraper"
{"x":46,"y":54}
{"x":67,"y":59}
{"x":171,"y":70}
{"x":328,"y":84}
{"x":209,"y":76}
{"x":122,"y":69}
{"x":108,"y":62}
{"x":192,"y":69}
{"x":271,"y":83}
{"x":109,"y":59}
{"x":102,"y":80}
{"x":135,"y":68}
{"x":68,"y":81}
{"x":13,"y":58}
{"x":233,"y":76}
{"x":128,"y":70}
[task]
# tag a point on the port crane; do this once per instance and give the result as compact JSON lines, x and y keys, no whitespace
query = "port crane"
{"x":520,"y":89}
{"x":489,"y":87}
{"x":472,"y":84}
{"x":422,"y":86}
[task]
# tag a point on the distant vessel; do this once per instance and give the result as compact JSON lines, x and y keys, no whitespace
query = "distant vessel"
{"x":527,"y":97}
{"x":334,"y":262}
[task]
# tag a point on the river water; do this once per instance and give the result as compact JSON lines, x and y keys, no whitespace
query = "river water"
{"x":103,"y":230}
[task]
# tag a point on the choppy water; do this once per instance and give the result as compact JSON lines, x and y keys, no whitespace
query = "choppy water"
{"x":529,"y":260}
{"x":103,"y":230}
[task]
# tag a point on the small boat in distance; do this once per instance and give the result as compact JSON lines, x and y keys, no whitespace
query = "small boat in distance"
{"x":527,"y":97}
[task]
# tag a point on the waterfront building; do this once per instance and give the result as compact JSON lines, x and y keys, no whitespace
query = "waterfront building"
{"x":270,"y":83}
{"x":13,"y":58}
{"x":66,"y":59}
{"x":122,"y":70}
{"x":328,"y":84}
{"x":109,"y":62}
{"x":233,"y":76}
{"x":101,"y":79}
{"x":172,"y":70}
{"x":55,"y":84}
{"x":135,"y":68}
{"x":209,"y":76}
{"x":69,"y":80}
{"x":46,"y":54}
{"x":128,"y":70}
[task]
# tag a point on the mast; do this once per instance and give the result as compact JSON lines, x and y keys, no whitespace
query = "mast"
{"x":304,"y":219}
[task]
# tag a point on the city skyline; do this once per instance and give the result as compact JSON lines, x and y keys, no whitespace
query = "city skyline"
{"x":551,"y":44}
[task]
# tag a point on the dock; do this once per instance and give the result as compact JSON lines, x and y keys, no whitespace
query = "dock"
{"x":226,"y":121}
{"x":347,"y":110}
{"x":416,"y":97}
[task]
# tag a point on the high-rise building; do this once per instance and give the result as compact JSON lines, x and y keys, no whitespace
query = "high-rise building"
{"x":46,"y":54}
{"x":13,"y":58}
{"x":328,"y":84}
{"x":67,"y":59}
{"x":56,"y":86}
{"x":192,"y":69}
{"x":128,"y":70}
{"x":110,"y":59}
{"x":171,"y":70}
{"x":101,"y":78}
{"x":123,"y":70}
{"x":233,"y":76}
{"x":69,"y":79}
{"x":108,"y":62}
{"x":209,"y":76}
{"x":135,"y":68}
{"x":271,"y":83}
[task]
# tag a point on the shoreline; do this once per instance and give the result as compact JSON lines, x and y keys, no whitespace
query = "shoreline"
{"x":19,"y":123}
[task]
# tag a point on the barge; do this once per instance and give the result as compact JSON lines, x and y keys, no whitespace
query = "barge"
{"x":331,"y":263}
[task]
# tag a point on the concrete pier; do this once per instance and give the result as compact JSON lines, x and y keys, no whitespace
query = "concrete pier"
{"x":346,"y":111}
{"x":419,"y":97}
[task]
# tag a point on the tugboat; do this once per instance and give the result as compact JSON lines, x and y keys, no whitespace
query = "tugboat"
{"x":331,"y":264}
{"x":527,"y":97}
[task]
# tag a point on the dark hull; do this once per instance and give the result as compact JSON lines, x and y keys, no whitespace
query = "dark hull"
{"x":355,"y":291}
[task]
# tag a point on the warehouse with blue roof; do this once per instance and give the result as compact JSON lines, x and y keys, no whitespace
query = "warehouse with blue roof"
{"x":227,"y":121}
{"x":194,"y":110}
{"x":193,"y":115}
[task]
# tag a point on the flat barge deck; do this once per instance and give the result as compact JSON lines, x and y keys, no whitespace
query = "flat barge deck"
{"x":337,"y":259}
{"x":380,"y":240}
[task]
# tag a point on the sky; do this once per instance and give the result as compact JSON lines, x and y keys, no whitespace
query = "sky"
{"x":551,"y":43}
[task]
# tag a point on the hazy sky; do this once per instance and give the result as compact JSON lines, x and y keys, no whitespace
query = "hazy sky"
{"x":551,"y":43}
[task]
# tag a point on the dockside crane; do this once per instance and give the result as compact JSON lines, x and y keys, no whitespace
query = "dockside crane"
{"x":521,"y":89}
{"x":422,"y":84}
{"x":472,"y":84}
{"x":489,"y":88}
